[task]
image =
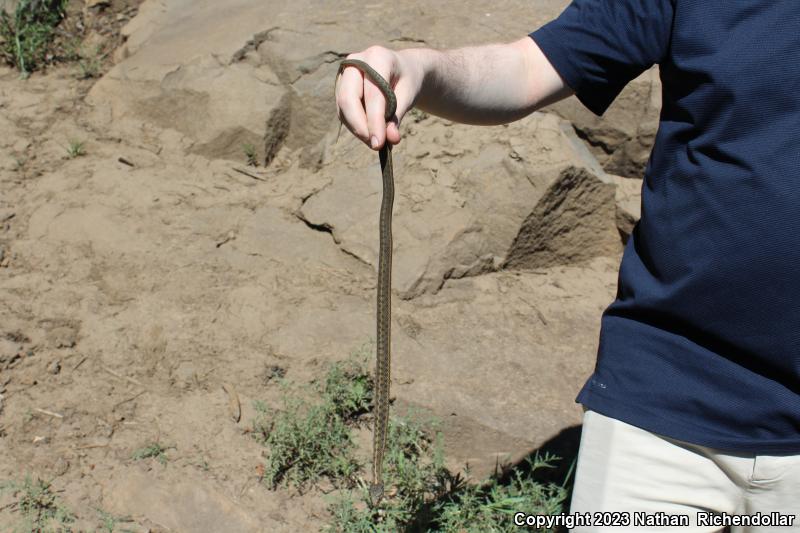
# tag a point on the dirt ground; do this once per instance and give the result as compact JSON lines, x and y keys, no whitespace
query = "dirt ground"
{"x":149,"y":279}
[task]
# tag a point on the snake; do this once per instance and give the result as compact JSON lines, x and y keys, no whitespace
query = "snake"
{"x":383,"y":356}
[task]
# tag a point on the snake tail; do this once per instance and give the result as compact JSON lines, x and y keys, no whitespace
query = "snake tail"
{"x":384,"y":322}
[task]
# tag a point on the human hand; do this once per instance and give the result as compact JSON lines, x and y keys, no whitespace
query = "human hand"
{"x":361,"y":105}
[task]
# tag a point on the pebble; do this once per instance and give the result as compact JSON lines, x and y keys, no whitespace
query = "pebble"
{"x":54,"y":367}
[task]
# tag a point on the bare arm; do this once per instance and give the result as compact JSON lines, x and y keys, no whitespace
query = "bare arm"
{"x":491,"y":84}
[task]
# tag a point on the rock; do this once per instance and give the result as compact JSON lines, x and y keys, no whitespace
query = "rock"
{"x":623,"y":138}
{"x":629,"y":204}
{"x":176,"y":505}
{"x":220,"y":108}
{"x":571,"y":223}
{"x":54,"y":367}
{"x":177,"y":74}
{"x":63,"y":337}
{"x":466,"y":198}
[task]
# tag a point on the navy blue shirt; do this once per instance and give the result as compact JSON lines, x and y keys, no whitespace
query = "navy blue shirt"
{"x":702,"y":343}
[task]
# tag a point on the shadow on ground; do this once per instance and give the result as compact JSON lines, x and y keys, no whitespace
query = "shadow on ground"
{"x":562,"y":450}
{"x":564,"y":446}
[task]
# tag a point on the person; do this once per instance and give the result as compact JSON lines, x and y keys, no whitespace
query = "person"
{"x":693,"y":410}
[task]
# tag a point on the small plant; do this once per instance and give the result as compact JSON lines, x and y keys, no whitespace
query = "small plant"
{"x":348,"y":386}
{"x":40,"y":509}
{"x":250,"y":153}
{"x":155,"y":450}
{"x":429,"y":498}
{"x":306,"y":441}
{"x":19,"y":163}
{"x":415,"y":476}
{"x":90,"y":63}
{"x":76,"y":148}
{"x":27,"y":34}
{"x":491,"y":506}
{"x":418,"y":115}
{"x":309,"y":440}
{"x":109,"y":522}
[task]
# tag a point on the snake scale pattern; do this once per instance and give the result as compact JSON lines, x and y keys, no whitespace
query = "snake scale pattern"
{"x":384,"y":303}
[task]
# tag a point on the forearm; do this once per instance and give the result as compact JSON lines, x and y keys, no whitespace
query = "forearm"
{"x":491,"y":84}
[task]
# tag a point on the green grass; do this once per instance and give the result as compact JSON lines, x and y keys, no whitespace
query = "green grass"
{"x":76,"y":148}
{"x":155,"y":450}
{"x":109,"y":522}
{"x":90,"y":63}
{"x":310,"y":438}
{"x":27,"y":34}
{"x":490,"y":507}
{"x":427,"y":497}
{"x":40,"y":510}
{"x":250,"y":153}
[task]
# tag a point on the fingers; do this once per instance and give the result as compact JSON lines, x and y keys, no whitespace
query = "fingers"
{"x":405,"y":93}
{"x":362,"y":105}
{"x":349,"y":96}
{"x":375,"y":104}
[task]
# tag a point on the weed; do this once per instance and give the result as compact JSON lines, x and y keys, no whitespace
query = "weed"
{"x":155,"y":450}
{"x":429,"y":498}
{"x":418,"y":115}
{"x":109,"y":522}
{"x":306,"y":441}
{"x":90,"y":63}
{"x":309,"y":440}
{"x":19,"y":163}
{"x":414,"y":475}
{"x":491,"y":506}
{"x":272,"y":372}
{"x":40,"y":509}
{"x":76,"y":148}
{"x":27,"y":34}
{"x":250,"y":153}
{"x":348,"y":386}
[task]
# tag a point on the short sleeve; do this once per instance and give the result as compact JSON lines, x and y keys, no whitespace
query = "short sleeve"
{"x":598,"y":46}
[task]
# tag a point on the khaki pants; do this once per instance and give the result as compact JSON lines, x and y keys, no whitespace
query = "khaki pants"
{"x":628,"y":479}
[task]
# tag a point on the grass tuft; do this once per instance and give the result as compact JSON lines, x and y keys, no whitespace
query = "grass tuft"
{"x":155,"y":450}
{"x":311,"y":438}
{"x":250,"y":153}
{"x":27,"y":34}
{"x":40,"y":509}
{"x":90,"y":63}
{"x":76,"y":148}
{"x":307,"y":441}
{"x":109,"y":522}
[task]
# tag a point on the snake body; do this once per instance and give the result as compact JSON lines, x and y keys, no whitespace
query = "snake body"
{"x":384,"y":303}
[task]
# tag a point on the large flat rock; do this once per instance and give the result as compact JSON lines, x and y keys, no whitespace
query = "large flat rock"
{"x":470,"y":201}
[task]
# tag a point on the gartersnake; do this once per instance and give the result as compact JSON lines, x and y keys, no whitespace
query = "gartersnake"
{"x":384,"y":303}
